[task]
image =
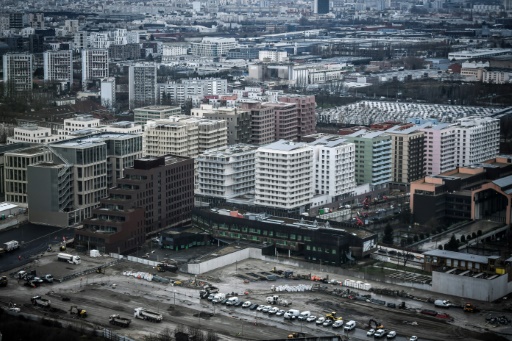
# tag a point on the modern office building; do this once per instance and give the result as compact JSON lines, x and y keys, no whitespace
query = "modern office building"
{"x":15,"y":171}
{"x":284,"y":174}
{"x":18,"y":71}
{"x":238,"y":121}
{"x":321,"y":6}
{"x":373,"y":157}
{"x":407,"y":153}
{"x":58,"y":66}
{"x":183,"y":136}
{"x":306,"y":112}
{"x":154,"y":112}
{"x":108,"y":92}
{"x":154,"y":195}
{"x":80,"y":122}
{"x":63,"y":192}
{"x":262,"y":122}
{"x":94,"y":65}
{"x":142,"y":89}
{"x":32,"y":133}
{"x":213,"y":47}
{"x":334,"y":167}
{"x":226,"y":172}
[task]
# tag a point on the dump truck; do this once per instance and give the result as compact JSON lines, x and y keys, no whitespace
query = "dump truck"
{"x":119,"y":321}
{"x":3,"y":281}
{"x":80,"y":313}
{"x":162,"y":267}
{"x":144,"y":314}
{"x":9,"y":246}
{"x":42,"y":302}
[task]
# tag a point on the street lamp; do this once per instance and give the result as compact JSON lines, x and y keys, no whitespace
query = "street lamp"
{"x":174,"y":292}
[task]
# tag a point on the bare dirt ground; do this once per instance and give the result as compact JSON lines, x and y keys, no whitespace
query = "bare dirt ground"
{"x":182,"y":305}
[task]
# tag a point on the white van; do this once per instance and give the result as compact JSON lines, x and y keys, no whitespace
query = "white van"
{"x":232,"y":301}
{"x":350,"y":325}
{"x":291,"y":314}
{"x":304,"y":315}
{"x":219,"y":298}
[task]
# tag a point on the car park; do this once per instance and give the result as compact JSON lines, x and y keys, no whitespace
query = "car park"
{"x":320,"y":320}
{"x":280,"y":312}
{"x":337,"y":324}
{"x":311,"y":318}
{"x":246,"y":304}
{"x":371,"y":332}
{"x":391,"y":334}
{"x":253,"y":307}
{"x":273,"y":310}
{"x":327,"y":323}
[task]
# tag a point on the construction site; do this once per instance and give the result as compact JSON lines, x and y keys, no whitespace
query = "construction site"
{"x":118,"y":297}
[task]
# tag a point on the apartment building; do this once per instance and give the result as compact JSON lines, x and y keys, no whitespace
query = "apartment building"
{"x":334,"y":167}
{"x":36,"y":20}
{"x":58,"y":66}
{"x":63,"y":192}
{"x":77,"y":123}
{"x":154,"y":112}
{"x":108,"y":92}
{"x":226,"y":172}
{"x":283,"y":175}
{"x":407,"y":153}
{"x":263,"y":123}
{"x":15,"y":172}
{"x":306,"y":112}
{"x":238,"y":121}
{"x":124,"y":52}
{"x":373,"y":157}
{"x":18,"y":71}
{"x":470,"y":140}
{"x":142,"y":89}
{"x":286,"y":120}
{"x":179,"y":93}
{"x":94,"y":65}
{"x":155,"y":194}
{"x":32,"y":133}
{"x":273,"y":56}
{"x":183,"y":136}
{"x":213,"y":46}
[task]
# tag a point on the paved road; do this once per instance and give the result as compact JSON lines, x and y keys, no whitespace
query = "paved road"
{"x":34,"y":240}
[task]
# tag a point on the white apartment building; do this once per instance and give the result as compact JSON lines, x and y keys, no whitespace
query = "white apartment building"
{"x":183,"y":136}
{"x":273,"y":56}
{"x":122,"y":36}
{"x":32,"y":134}
{"x":99,"y":40}
{"x":334,"y":167}
{"x":495,"y":76}
{"x":226,"y":172}
{"x":108,"y":92}
{"x":477,"y":139}
{"x":18,"y":71}
{"x":179,"y":93}
{"x":284,"y":174}
{"x":173,"y":50}
{"x":58,"y":66}
{"x":15,"y":172}
{"x":142,"y":86}
{"x":154,"y":112}
{"x":94,"y":65}
{"x":213,"y":46}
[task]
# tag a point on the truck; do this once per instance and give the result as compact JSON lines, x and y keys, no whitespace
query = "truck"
{"x":292,"y":314}
{"x":232,"y":301}
{"x":162,"y":267}
{"x":218,"y":298}
{"x":278,"y":301}
{"x":9,"y":246}
{"x":144,"y":314}
{"x":442,"y":303}
{"x":42,"y":302}
{"x":66,"y":257}
{"x":119,"y":321}
{"x":208,"y":290}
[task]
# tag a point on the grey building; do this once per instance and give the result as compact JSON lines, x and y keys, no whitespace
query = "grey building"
{"x":238,"y":121}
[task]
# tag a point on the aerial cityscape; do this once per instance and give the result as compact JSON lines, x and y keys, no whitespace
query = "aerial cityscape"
{"x":256,"y":170}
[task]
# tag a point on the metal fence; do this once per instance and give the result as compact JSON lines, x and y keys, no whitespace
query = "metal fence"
{"x":110,"y":335}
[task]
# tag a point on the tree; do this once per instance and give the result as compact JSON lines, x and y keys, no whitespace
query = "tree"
{"x":462,"y":238}
{"x":453,"y":244}
{"x":388,"y":235}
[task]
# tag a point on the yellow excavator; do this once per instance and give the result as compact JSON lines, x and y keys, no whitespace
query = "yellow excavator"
{"x":332,"y":316}
{"x":74,"y":310}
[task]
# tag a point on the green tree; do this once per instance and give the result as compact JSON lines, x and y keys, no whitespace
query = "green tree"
{"x":388,"y":235}
{"x":453,"y":244}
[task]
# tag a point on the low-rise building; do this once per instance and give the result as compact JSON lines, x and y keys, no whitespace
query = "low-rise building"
{"x":154,"y":112}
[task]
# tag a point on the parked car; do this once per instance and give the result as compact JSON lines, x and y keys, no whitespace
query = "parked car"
{"x":311,"y":318}
{"x":327,"y":323}
{"x":273,"y":310}
{"x":238,"y":304}
{"x":224,"y":301}
{"x":371,"y":332}
{"x":320,"y":320}
{"x":253,"y":307}
{"x":246,"y":304}
{"x":391,"y":334}
{"x":280,"y":312}
{"x":260,"y":308}
{"x":379,"y":333}
{"x":266,"y":309}
{"x":413,"y":338}
{"x":337,"y":324}
{"x":37,"y":279}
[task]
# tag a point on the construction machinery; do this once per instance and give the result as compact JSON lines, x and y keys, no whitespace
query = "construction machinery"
{"x":375,"y":325}
{"x":144,"y":314}
{"x":162,"y":267}
{"x":3,"y":281}
{"x":278,"y":301}
{"x":119,"y":321}
{"x":208,"y":290}
{"x":79,"y":313}
{"x":42,"y":302}
{"x":470,"y":308}
{"x":332,"y":316}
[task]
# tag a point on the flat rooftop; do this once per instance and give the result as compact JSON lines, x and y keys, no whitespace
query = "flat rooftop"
{"x":29,"y":151}
{"x":457,"y":255}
